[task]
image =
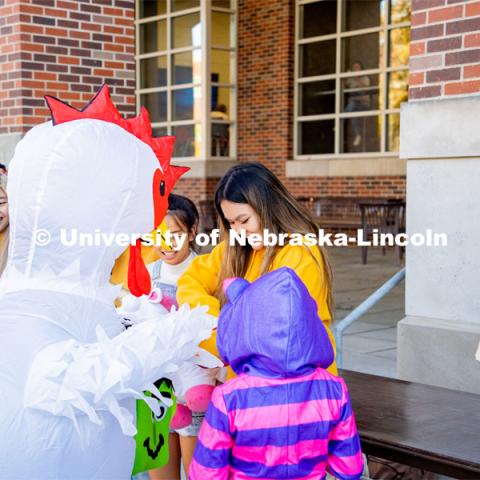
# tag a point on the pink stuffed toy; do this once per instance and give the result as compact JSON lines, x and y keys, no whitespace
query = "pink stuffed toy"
{"x":165,"y":301}
{"x":193,"y":383}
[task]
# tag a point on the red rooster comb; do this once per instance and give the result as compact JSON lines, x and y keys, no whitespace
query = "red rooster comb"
{"x":101,"y":107}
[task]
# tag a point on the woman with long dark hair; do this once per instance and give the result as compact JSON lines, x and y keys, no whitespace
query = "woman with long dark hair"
{"x":251,"y":199}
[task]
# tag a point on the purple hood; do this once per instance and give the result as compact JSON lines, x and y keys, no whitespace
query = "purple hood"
{"x":271,"y":328}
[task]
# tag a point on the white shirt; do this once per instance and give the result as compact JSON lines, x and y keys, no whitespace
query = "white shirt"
{"x":171,"y":273}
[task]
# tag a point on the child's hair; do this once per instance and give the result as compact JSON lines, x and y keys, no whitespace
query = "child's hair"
{"x":279,"y":212}
{"x":186,"y":214}
{"x":4,"y":247}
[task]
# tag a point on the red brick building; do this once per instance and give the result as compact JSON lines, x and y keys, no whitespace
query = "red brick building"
{"x":311,"y":88}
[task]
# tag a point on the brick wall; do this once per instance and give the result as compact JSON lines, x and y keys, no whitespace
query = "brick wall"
{"x":445,"y":48}
{"x":265,"y":82}
{"x":66,"y":49}
{"x":197,"y":188}
{"x":10,"y":71}
{"x":379,"y":186}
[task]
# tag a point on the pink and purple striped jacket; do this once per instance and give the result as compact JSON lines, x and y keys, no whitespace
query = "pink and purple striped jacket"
{"x":284,"y":416}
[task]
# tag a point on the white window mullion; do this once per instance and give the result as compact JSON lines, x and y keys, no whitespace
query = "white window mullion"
{"x":169,"y":14}
{"x":205,"y":6}
{"x":360,"y":114}
{"x":234,"y":79}
{"x":316,"y":78}
{"x":223,"y":48}
{"x":181,"y":13}
{"x":384,"y":79}
{"x":137,"y":61}
{"x":155,"y":18}
{"x":225,"y":85}
{"x":313,"y":118}
{"x":306,"y":2}
{"x":392,"y":110}
{"x":173,"y":51}
{"x":296,"y":86}
{"x":176,"y":123}
{"x":169,"y":69}
{"x":224,"y":10}
{"x":320,"y":38}
{"x":350,"y":33}
{"x":338,"y":81}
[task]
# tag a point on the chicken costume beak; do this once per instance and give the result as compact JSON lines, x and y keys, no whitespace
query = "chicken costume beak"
{"x":160,"y":237}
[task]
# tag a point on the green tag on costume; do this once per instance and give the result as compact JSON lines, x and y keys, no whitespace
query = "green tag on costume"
{"x":151,"y":450}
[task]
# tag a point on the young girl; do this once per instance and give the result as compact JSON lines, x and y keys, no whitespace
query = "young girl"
{"x":250,"y":198}
{"x":182,"y":222}
{"x":181,"y":219}
{"x":4,"y":221}
{"x":283,"y":416}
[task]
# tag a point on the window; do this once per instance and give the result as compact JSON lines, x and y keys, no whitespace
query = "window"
{"x":185,"y":63}
{"x":351,"y":75}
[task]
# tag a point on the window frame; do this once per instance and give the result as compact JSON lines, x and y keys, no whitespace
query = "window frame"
{"x":204,"y":122}
{"x":338,"y":77}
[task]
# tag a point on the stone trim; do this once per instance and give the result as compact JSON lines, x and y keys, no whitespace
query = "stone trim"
{"x":440,"y":128}
{"x":346,"y":167}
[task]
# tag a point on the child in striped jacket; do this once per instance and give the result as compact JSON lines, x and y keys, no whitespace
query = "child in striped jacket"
{"x":284,"y":416}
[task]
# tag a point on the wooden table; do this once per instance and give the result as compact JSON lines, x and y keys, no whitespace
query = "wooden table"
{"x":427,"y":427}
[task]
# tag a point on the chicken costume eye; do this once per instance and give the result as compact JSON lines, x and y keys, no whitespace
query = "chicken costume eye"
{"x":102,"y":108}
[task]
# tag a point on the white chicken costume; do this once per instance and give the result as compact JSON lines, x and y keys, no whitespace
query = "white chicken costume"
{"x":69,"y":373}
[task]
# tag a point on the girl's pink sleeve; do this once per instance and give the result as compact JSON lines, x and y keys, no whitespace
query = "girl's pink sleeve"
{"x":345,"y":460}
{"x":212,"y":453}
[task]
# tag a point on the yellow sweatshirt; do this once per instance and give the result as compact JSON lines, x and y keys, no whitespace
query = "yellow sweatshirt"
{"x":197,"y":285}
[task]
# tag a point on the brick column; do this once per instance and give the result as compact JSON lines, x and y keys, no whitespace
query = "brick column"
{"x":445,"y":48}
{"x":265,"y":82}
{"x":439,"y":138}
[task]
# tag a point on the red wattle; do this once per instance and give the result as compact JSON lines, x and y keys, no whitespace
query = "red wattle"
{"x":139,"y":282}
